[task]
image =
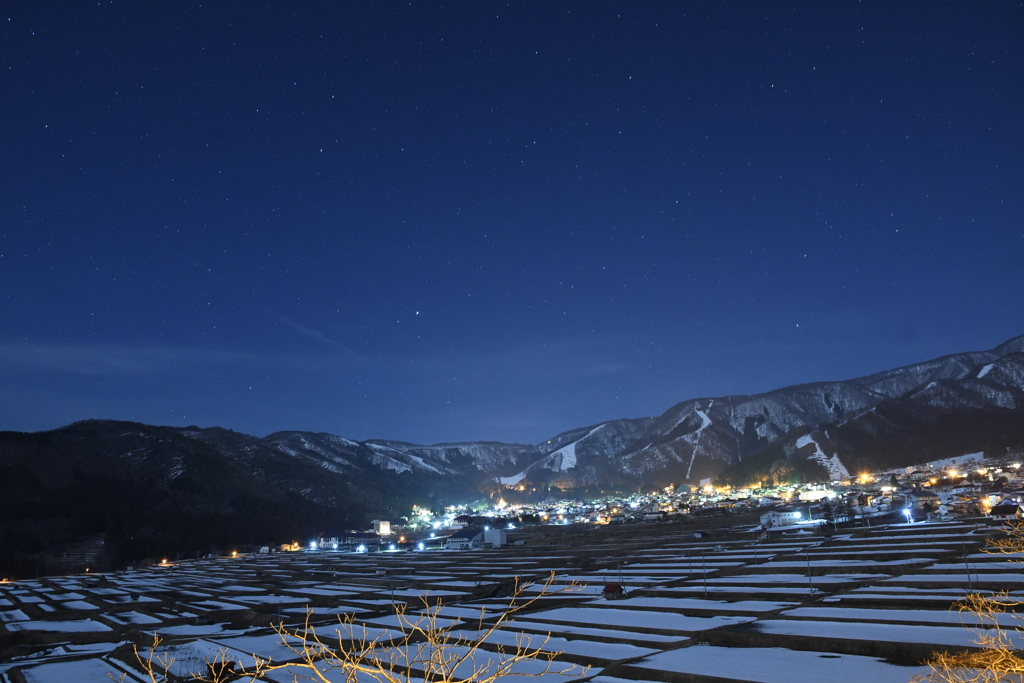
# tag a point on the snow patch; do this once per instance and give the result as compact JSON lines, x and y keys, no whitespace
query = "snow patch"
{"x":705,"y":421}
{"x":836,"y":470}
{"x":985,"y":370}
{"x":513,"y":480}
{"x":566,"y":455}
{"x":958,"y":460}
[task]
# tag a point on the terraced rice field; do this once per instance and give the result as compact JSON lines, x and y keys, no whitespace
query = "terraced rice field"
{"x":867,"y":604}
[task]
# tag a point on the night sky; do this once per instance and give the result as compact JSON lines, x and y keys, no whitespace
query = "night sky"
{"x":437,"y":222}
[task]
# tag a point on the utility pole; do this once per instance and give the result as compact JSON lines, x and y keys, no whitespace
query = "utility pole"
{"x":970,"y":585}
{"x":810,"y":582}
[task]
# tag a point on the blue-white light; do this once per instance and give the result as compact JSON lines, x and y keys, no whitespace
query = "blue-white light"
{"x":420,"y":546}
{"x":361,"y":549}
{"x":312,"y":545}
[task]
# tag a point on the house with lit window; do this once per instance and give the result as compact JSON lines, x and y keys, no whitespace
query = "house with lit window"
{"x":784,"y":516}
{"x":1008,"y":512}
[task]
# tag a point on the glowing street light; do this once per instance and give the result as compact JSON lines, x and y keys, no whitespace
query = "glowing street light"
{"x":909,"y":514}
{"x":361,"y":549}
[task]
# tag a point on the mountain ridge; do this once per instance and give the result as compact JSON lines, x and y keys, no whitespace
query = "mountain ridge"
{"x":132,"y":480}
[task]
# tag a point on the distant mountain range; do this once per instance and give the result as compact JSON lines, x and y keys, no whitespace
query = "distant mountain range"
{"x":137,"y":482}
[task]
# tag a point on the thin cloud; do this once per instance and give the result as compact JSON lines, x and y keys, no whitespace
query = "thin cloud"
{"x":318,"y":335}
{"x":111,"y":359}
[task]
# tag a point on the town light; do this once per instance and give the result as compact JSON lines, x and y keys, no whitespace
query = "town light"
{"x":334,"y":546}
{"x":312,"y":545}
{"x":909,"y":514}
{"x":391,"y":547}
{"x":361,"y":549}
{"x":420,"y":546}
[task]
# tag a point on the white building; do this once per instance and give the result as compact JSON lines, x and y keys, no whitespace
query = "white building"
{"x":496,"y":537}
{"x":785,"y":516}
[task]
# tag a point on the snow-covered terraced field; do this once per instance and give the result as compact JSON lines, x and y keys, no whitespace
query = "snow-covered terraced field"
{"x":733,"y":608}
{"x":773,"y":665}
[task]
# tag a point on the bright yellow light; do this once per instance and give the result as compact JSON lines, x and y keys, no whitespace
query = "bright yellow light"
{"x":234,"y":553}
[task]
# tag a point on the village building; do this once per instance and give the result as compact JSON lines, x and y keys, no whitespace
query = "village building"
{"x":1008,"y":512}
{"x":465,"y":539}
{"x":785,"y":516}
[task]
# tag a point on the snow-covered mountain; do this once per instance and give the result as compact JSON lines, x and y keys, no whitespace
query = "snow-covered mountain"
{"x":157,"y":490}
{"x":828,"y":422}
{"x":940,"y":408}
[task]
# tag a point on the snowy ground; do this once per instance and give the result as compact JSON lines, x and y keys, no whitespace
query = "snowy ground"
{"x":774,"y":665}
{"x":914,"y":571}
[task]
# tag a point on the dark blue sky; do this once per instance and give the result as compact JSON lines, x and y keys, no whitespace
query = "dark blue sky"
{"x":438,"y":222}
